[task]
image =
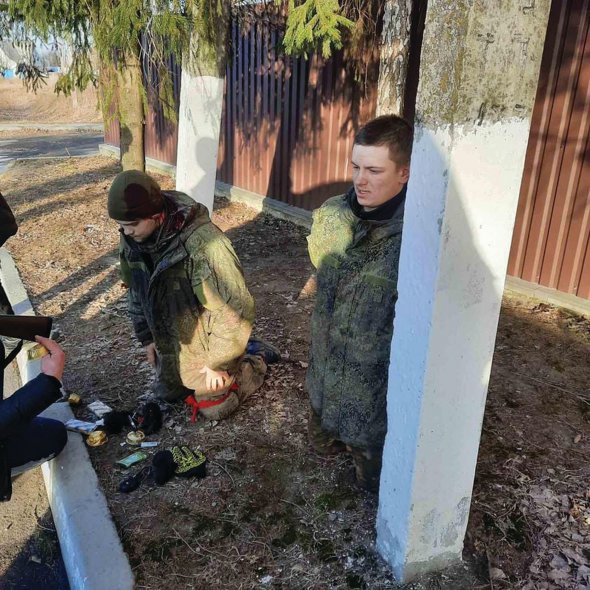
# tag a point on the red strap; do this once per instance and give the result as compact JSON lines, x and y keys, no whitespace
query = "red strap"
{"x":207,"y":403}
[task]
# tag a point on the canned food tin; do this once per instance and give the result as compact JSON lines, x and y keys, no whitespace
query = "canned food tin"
{"x":135,"y":437}
{"x":97,"y":438}
{"x":74,"y":399}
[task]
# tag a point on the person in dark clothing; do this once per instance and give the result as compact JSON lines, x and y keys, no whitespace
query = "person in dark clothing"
{"x":25,"y":439}
{"x":8,"y":225}
{"x":8,"y":228}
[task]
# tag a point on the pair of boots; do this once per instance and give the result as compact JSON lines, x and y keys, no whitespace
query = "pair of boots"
{"x":367,"y":464}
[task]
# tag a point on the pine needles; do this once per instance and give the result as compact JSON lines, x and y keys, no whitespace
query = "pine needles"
{"x":313,"y":24}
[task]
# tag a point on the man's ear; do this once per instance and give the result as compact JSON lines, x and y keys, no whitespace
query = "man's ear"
{"x":405,"y":173}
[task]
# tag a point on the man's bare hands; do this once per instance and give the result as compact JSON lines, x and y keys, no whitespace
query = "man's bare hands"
{"x":151,"y":353}
{"x":52,"y":364}
{"x":215,"y":380}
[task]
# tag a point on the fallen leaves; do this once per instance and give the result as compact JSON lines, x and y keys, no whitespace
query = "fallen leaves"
{"x":531,"y":500}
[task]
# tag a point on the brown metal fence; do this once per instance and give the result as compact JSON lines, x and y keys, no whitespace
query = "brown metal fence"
{"x":111,"y":133}
{"x":160,"y":134}
{"x":551,"y":244}
{"x":288,"y":123}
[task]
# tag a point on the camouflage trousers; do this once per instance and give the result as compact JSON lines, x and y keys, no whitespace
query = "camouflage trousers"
{"x":367,"y":464}
{"x":248,"y":379}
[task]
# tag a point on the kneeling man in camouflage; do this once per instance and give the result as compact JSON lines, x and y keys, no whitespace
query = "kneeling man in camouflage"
{"x":188,"y":301}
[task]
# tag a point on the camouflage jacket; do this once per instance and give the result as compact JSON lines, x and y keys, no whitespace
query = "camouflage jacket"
{"x":187,"y":295}
{"x":352,"y":323}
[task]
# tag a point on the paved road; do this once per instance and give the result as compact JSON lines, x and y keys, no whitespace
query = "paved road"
{"x":68,"y":144}
{"x":65,"y":127}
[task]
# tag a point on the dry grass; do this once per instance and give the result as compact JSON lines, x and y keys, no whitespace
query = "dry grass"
{"x":45,"y":106}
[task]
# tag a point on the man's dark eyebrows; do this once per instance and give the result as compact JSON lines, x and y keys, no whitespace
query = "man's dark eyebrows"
{"x":369,"y":167}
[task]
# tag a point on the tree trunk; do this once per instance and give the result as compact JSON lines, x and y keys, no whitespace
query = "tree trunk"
{"x":130,"y":106}
{"x":395,"y":53}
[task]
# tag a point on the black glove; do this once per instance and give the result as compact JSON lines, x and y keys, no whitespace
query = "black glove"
{"x":163,"y":467}
{"x":114,"y":422}
{"x":148,"y":418}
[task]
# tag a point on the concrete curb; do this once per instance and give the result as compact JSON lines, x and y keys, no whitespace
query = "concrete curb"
{"x":551,"y":296}
{"x":111,"y":151}
{"x":91,"y":548}
{"x":262,"y":204}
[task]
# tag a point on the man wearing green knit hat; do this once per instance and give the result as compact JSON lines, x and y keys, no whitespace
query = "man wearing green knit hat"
{"x":188,"y":301}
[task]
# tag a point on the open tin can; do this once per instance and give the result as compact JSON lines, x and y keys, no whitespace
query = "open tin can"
{"x":97,"y":438}
{"x":135,"y":437}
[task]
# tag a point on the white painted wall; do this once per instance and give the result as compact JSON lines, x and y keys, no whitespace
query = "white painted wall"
{"x":459,"y":217}
{"x":199,"y":122}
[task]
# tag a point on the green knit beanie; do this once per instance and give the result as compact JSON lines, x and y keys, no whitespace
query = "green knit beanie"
{"x":134,"y":195}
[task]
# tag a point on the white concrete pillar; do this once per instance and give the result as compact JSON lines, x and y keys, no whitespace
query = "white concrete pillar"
{"x":478,"y":75}
{"x":199,"y":123}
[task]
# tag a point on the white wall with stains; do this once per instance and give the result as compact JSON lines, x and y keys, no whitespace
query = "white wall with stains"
{"x":199,"y":121}
{"x":460,"y":210}
{"x":478,"y":75}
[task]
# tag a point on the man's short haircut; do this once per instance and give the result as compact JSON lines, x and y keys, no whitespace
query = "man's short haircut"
{"x":390,"y":130}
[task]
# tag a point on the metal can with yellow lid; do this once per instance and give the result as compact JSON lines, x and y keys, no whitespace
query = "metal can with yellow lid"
{"x":74,"y":399}
{"x":135,"y":437}
{"x":97,"y":438}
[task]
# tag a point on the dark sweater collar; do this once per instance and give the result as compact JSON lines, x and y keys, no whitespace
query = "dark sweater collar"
{"x":384,"y":212}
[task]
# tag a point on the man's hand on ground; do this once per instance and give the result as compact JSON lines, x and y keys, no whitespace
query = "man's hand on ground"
{"x":215,"y":380}
{"x":52,"y":364}
{"x":150,"y":352}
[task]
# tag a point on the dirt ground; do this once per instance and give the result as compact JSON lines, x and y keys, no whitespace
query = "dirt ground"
{"x":45,"y":106}
{"x":30,"y":556}
{"x":270,"y":514}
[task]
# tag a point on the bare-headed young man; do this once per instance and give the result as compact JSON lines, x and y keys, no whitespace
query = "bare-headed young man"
{"x":355,"y":245}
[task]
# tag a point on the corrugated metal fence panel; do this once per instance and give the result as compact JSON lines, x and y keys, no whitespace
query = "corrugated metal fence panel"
{"x":551,"y":243}
{"x":111,"y":132}
{"x":160,"y":133}
{"x":288,"y":123}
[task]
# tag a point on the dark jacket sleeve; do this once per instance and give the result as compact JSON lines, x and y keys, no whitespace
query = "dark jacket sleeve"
{"x":8,"y":225}
{"x":140,"y":325}
{"x":28,"y":401}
